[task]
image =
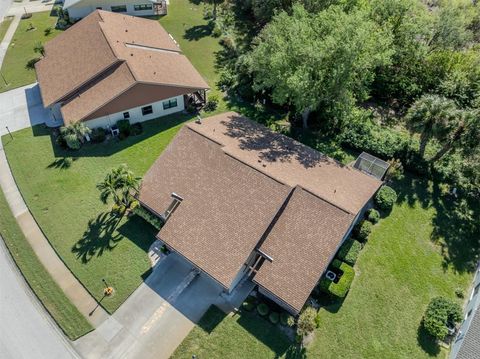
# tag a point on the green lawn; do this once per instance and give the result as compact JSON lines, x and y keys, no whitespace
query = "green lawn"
{"x":4,"y":26}
{"x":52,"y":297}
{"x":60,"y":191}
{"x":21,"y":51}
{"x":239,"y":336}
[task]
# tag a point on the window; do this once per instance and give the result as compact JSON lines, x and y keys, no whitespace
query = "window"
{"x":476,"y":290}
{"x":142,"y":7}
{"x":99,"y":8}
{"x":147,"y":110}
{"x":126,"y":115}
{"x":169,"y":104}
{"x":119,"y":8}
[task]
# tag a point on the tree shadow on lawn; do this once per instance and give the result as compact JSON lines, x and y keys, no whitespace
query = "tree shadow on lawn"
{"x":104,"y":233}
{"x":198,"y":32}
{"x":426,"y":342}
{"x":62,"y":163}
{"x":114,"y":145}
{"x":98,"y":237}
{"x":456,"y":222}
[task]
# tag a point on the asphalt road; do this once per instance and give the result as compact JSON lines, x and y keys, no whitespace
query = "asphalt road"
{"x":26,"y":330}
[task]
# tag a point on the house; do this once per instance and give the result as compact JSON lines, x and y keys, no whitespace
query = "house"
{"x":78,"y":9}
{"x":111,"y":66}
{"x":467,"y":343}
{"x":240,"y":201}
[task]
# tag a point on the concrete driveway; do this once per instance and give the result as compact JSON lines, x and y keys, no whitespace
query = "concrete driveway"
{"x":21,"y":108}
{"x":156,"y":317}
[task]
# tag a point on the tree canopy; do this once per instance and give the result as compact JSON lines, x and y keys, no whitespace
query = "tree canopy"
{"x":319,"y":61}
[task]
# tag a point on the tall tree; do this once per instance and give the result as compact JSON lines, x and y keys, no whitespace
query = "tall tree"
{"x":121,"y":185}
{"x":432,"y":116}
{"x":321,"y":61}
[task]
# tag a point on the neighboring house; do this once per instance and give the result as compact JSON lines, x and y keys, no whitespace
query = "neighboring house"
{"x":239,"y":200}
{"x":467,"y":342}
{"x":78,"y":9}
{"x":110,"y":66}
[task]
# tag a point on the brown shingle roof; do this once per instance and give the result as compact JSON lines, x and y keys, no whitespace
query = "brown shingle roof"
{"x":227,"y":206}
{"x":301,"y":243}
{"x":289,"y":161}
{"x":243,"y":184}
{"x":78,"y":60}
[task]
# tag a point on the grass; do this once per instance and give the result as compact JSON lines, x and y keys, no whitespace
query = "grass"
{"x":59,"y":188}
{"x":69,"y":319}
{"x":239,"y":336}
{"x":21,"y":51}
{"x":398,"y":272}
{"x":4,"y":25}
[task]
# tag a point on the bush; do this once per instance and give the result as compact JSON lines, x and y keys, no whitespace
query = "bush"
{"x":124,"y":127}
{"x":341,"y":288}
{"x":349,"y":251}
{"x":136,"y":129}
{"x":373,"y":215}
{"x":118,"y":210}
{"x":385,"y":198}
{"x":249,"y":304}
{"x":228,"y":43}
{"x":217,"y":32}
{"x":286,"y":319}
{"x":306,"y":322}
{"x":460,"y":293}
{"x":31,"y":63}
{"x":98,"y":135}
{"x":212,"y":103}
{"x":263,"y":309}
{"x":363,"y":230}
{"x":274,"y":317}
{"x":440,"y":313}
{"x":48,"y":31}
{"x":148,"y":217}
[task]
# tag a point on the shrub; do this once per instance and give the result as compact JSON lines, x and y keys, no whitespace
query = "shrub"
{"x":212,"y":103}
{"x":31,"y":63}
{"x":217,"y":32}
{"x":148,"y":217}
{"x":48,"y":31}
{"x":263,"y":309}
{"x":349,"y":251}
{"x":98,"y":135}
{"x":341,"y":288}
{"x":124,"y":127}
{"x":274,"y":317}
{"x":459,"y":293}
{"x":249,"y":304}
{"x":136,"y":129}
{"x":440,"y":313}
{"x":306,"y":322}
{"x":118,"y":210}
{"x":363,"y":230}
{"x":385,"y":198}
{"x":286,"y":319}
{"x":373,"y":215}
{"x":228,"y":43}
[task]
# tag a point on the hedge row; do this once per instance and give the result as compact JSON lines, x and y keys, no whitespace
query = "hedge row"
{"x":349,"y":251}
{"x":341,"y":288}
{"x":148,"y":216}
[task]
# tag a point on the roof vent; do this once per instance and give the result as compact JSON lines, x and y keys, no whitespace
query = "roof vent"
{"x":131,"y":54}
{"x":126,"y":30}
{"x":154,"y":72}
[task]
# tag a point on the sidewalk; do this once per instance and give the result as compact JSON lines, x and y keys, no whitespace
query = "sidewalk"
{"x":72,"y":288}
{"x":8,"y":37}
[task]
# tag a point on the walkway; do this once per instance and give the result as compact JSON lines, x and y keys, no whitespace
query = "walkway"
{"x":26,"y":330}
{"x":72,"y":288}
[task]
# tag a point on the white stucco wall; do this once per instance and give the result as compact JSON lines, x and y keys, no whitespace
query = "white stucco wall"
{"x":136,"y":114}
{"x":83,"y":8}
{"x":473,"y":305}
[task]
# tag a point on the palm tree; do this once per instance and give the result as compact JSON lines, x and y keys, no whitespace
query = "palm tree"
{"x":74,"y":134}
{"x":433,"y":116}
{"x":120,"y":184}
